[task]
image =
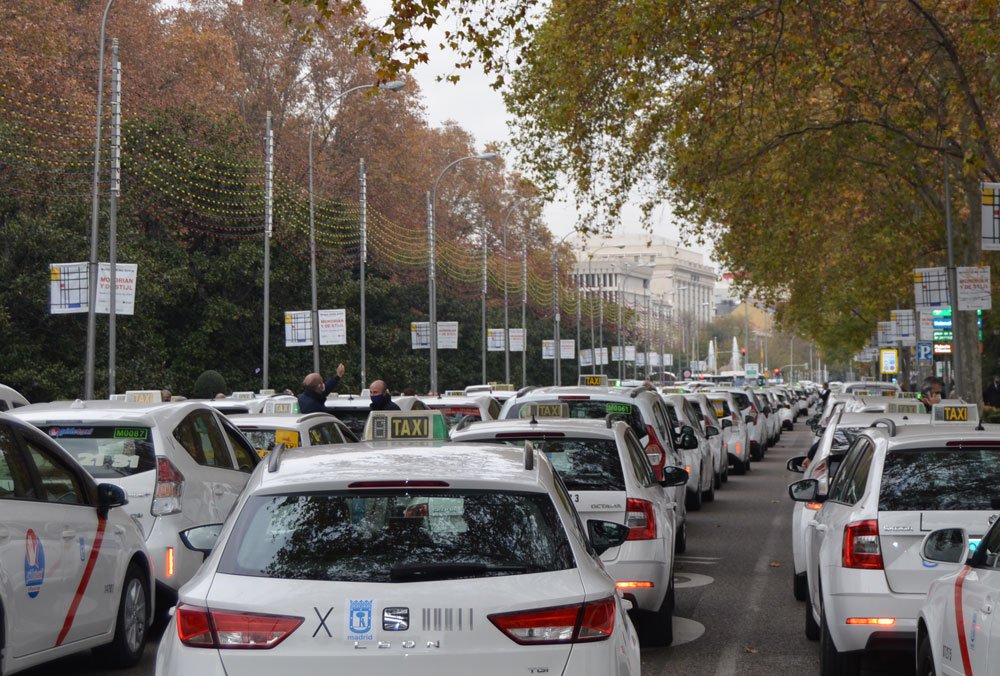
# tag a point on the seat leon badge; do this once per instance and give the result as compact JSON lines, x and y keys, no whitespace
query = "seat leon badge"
{"x":396,"y":619}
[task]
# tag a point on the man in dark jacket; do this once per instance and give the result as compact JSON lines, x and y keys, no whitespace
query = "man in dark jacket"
{"x":381,"y":400}
{"x":991,"y":397}
{"x":313,"y":397}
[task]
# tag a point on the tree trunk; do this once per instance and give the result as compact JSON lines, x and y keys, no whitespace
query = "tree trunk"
{"x":965,"y":332}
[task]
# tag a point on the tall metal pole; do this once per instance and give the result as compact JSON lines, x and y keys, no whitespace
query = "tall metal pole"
{"x":88,"y":378}
{"x":431,"y":295}
{"x":484,"y":301}
{"x":524,"y":311}
{"x":115,"y":189}
{"x":601,"y":326}
{"x":579,"y":366}
{"x":506,"y":312}
{"x":361,"y":264}
{"x":621,"y":305}
{"x":952,"y":280}
{"x":556,"y":366}
{"x":590,"y":306}
{"x":746,"y":331}
{"x":268,"y":232}
{"x":635,"y":329}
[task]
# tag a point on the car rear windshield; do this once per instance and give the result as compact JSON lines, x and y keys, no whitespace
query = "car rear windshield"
{"x":594,"y":409}
{"x":742,"y":400}
{"x":583,"y":464}
{"x":843,"y":437}
{"x":721,"y":407}
{"x":354,"y":418}
{"x":945,"y":479}
{"x":397,"y":536}
{"x":106,"y":451}
{"x":452,"y":414}
{"x":265,"y":440}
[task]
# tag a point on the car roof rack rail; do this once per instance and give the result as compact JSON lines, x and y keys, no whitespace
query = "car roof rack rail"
{"x":274,"y":458}
{"x":888,"y":423}
{"x":524,"y":390}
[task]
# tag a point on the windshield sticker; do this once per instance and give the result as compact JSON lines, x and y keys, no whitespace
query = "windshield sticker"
{"x":615,"y":407}
{"x":359,"y":620}
{"x":34,"y":564}
{"x":114,"y":460}
{"x":131,"y":433}
{"x":71,"y":431}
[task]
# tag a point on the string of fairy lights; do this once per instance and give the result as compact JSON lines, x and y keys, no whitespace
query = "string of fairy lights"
{"x":178,"y":167}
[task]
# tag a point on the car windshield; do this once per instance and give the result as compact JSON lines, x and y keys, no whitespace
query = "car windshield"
{"x":721,"y":407}
{"x":265,"y":440}
{"x":106,"y":451}
{"x":452,"y":414}
{"x":397,"y":536}
{"x":583,"y":464}
{"x":594,"y":409}
{"x":354,"y":418}
{"x":946,"y":479}
{"x":742,"y":400}
{"x":843,"y":437}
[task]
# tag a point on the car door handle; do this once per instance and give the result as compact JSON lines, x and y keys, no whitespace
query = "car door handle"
{"x":219,"y":489}
{"x":68,"y":534}
{"x":821,"y":527}
{"x":4,"y":533}
{"x":987,"y":606}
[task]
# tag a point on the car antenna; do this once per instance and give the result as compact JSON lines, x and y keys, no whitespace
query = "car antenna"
{"x":529,"y":455}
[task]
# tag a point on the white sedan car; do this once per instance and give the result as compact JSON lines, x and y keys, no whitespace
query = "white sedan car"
{"x":321,"y":568}
{"x":74,"y":571}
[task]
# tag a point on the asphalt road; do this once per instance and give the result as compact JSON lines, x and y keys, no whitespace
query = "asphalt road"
{"x":735,"y":610}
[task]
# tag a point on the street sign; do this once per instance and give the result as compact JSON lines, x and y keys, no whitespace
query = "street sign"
{"x":889,"y":361}
{"x":925,"y":352}
{"x":752,"y":371}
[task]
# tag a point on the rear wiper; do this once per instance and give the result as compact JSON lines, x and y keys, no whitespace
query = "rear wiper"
{"x":446,"y":569}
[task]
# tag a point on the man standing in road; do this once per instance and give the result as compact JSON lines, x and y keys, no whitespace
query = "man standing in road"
{"x":313,"y":397}
{"x":381,"y":400}
{"x":991,"y":397}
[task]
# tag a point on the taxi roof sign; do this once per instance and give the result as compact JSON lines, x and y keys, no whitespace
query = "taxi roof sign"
{"x":949,"y":413}
{"x":906,"y":406}
{"x":454,"y":393}
{"x":406,"y":426}
{"x":907,"y":395}
{"x":144,"y":396}
{"x":553,"y":410}
{"x":502,"y":387}
{"x":242,"y":395}
{"x":279,"y":406}
{"x":592,"y":380}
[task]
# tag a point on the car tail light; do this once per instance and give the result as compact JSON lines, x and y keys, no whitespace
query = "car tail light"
{"x":203,"y":628}
{"x":654,"y":452}
{"x":169,"y":488}
{"x":574,"y":397}
{"x":578,"y":623}
{"x":418,"y":510}
{"x":640,"y":520}
{"x":861,"y":549}
{"x":399,"y":484}
{"x":880,"y":621}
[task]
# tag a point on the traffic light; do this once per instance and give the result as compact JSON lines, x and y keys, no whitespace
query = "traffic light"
{"x":777,"y":371}
{"x":743,"y":351}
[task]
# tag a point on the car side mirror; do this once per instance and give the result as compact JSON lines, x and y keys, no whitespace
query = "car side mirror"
{"x":606,"y":534}
{"x":673,"y":476}
{"x":688,"y":441}
{"x":796,"y":464}
{"x":711,"y":431}
{"x":946,"y":545}
{"x":201,"y":538}
{"x":806,"y":490}
{"x":108,"y":496}
{"x":727,"y":423}
{"x":748,"y":419}
{"x":767,"y":410}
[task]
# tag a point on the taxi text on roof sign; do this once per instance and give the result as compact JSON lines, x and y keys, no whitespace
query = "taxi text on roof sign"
{"x":905,"y":406}
{"x":532,"y":410}
{"x":955,"y":413}
{"x":144,"y":396}
{"x":593,"y":380}
{"x":281,"y":407}
{"x":405,"y":425}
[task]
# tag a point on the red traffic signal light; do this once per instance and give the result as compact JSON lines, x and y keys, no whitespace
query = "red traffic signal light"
{"x":777,"y":371}
{"x":743,"y":350}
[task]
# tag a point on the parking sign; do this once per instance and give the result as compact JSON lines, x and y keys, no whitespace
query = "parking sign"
{"x":925,"y":352}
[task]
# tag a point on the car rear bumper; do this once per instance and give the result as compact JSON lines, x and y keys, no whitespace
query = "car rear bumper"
{"x":904,"y":609}
{"x":640,"y":564}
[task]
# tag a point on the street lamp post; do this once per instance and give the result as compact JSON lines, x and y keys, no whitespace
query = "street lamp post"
{"x":394,"y":86}
{"x":431,"y":225}
{"x":506,"y":310}
{"x":556,"y":364}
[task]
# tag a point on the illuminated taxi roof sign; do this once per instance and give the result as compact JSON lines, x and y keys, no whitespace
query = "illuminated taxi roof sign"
{"x":454,"y":393}
{"x":242,"y":395}
{"x":502,"y":387}
{"x":406,"y":426}
{"x":553,"y":410}
{"x":144,"y":396}
{"x":593,"y":380}
{"x":943,"y":414}
{"x":906,"y":406}
{"x":280,"y":407}
{"x":907,"y":395}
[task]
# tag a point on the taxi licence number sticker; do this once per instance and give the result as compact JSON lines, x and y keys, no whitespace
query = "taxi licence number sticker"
{"x":615,"y":407}
{"x":131,"y":433}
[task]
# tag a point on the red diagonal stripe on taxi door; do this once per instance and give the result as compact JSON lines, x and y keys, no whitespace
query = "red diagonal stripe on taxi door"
{"x":82,"y":587}
{"x":960,"y":622}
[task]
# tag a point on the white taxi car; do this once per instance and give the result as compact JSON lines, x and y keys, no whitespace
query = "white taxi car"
{"x":606,"y":472}
{"x":735,"y":433}
{"x":712,"y":430}
{"x":353,"y":410}
{"x":267,"y":430}
{"x":11,"y":398}
{"x":182,"y":464}
{"x":866,"y":578}
{"x":471,"y":408}
{"x":320,"y":565}
{"x":74,"y":571}
{"x":698,"y":461}
{"x":957,"y":633}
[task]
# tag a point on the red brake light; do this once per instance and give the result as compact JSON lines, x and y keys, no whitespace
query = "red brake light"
{"x":169,"y":488}
{"x":861,"y":548}
{"x":405,"y":483}
{"x":640,"y":520}
{"x":203,"y":628}
{"x":654,"y":452}
{"x":529,"y":435}
{"x":578,"y":623}
{"x":574,"y":397}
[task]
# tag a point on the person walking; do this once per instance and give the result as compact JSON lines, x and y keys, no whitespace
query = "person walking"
{"x":313,"y":397}
{"x":381,"y":399}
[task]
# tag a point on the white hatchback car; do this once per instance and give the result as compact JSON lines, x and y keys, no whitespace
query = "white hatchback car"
{"x":735,"y":433}
{"x":182,"y":464}
{"x":320,"y":567}
{"x":74,"y":571}
{"x":712,"y":430}
{"x":698,"y":461}
{"x":866,"y":577}
{"x":267,"y":430}
{"x":606,"y":472}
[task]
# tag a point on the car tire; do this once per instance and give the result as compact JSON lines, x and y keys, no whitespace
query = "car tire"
{"x":131,"y":625}
{"x":800,"y":586}
{"x":693,"y":500}
{"x":925,"y":658}
{"x":725,"y":472}
{"x":755,"y":452}
{"x":681,"y":539}
{"x":739,"y":467}
{"x":718,"y":479}
{"x":832,"y":662}
{"x":746,"y":465}
{"x":656,"y":629}
{"x":787,"y":425}
{"x":812,"y":627}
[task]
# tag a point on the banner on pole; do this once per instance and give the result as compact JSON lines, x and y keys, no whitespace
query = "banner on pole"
{"x":567,"y":349}
{"x":616,"y":353}
{"x":905,"y":327}
{"x":930,"y":288}
{"x":517,"y":340}
{"x":886,"y":334}
{"x":586,"y":357}
{"x":495,"y":340}
{"x":332,"y":327}
{"x":991,"y":217}
{"x":926,"y":331}
{"x":602,"y":356}
{"x":447,"y":335}
{"x":974,"y":288}
{"x":69,"y":288}
{"x":630,"y":353}
{"x":298,"y":328}
{"x":548,"y":349}
{"x":668,"y":359}
{"x":420,"y":335}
